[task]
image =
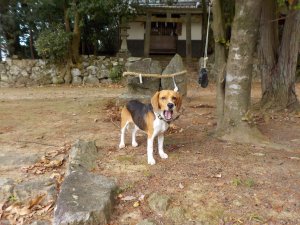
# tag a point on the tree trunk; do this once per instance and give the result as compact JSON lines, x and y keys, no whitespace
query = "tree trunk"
{"x":67,"y":73}
{"x":268,"y":44}
{"x":76,"y":38}
{"x":239,"y":71}
{"x":31,"y":44}
{"x":220,"y":58}
{"x":279,"y":89}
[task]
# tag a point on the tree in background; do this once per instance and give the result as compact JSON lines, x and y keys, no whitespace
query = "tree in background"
{"x":92,"y":24}
{"x":278,"y":52}
{"x":239,"y":68}
{"x":278,"y":57}
{"x":9,"y":27}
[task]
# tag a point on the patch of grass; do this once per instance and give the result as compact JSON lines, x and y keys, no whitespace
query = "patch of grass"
{"x":125,"y":188}
{"x":12,"y":198}
{"x":116,"y":73}
{"x":249,"y":182}
{"x":147,"y":173}
{"x":255,"y":217}
{"x":125,"y":158}
{"x":236,"y":182}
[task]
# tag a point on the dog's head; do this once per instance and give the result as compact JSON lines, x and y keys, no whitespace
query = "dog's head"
{"x":166,"y":101}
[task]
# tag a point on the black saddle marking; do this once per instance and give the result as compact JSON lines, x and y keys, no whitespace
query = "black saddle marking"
{"x":138,"y":111}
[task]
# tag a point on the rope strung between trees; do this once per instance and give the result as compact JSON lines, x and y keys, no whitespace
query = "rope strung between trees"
{"x":154,"y":75}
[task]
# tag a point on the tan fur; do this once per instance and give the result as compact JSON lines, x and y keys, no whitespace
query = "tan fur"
{"x":154,"y":101}
{"x":149,"y":123}
{"x":178,"y":101}
{"x":162,"y":98}
{"x":125,"y":117}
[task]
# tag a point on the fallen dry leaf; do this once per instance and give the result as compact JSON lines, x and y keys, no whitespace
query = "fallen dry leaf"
{"x":1,"y":209}
{"x":35,"y":201}
{"x":23,"y":211}
{"x":50,"y":160}
{"x":58,"y":177}
{"x":136,"y":204}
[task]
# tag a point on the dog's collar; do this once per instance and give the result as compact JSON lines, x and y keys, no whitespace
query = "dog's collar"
{"x":161,"y":118}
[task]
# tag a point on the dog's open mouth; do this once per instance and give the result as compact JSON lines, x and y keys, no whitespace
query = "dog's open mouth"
{"x":168,"y":114}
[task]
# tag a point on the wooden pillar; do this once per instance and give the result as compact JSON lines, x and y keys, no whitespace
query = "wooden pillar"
{"x":147,"y":35}
{"x":188,"y":41}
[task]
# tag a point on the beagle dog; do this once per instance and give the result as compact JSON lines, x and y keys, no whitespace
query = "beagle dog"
{"x":153,"y":119}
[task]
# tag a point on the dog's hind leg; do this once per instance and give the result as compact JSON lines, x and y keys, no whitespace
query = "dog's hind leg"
{"x":125,"y":120}
{"x":122,"y":141}
{"x":134,"y":130}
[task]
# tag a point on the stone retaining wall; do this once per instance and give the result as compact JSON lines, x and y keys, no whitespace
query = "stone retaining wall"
{"x":94,"y":70}
{"x":26,"y":72}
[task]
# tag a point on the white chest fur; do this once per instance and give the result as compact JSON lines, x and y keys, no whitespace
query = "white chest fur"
{"x":159,"y":125}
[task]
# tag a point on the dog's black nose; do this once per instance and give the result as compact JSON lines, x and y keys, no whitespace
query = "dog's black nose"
{"x":170,"y":105}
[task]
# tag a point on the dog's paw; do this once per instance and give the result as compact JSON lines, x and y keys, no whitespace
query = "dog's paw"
{"x":121,"y":145}
{"x":134,"y":144}
{"x":151,"y":161}
{"x":163,"y":155}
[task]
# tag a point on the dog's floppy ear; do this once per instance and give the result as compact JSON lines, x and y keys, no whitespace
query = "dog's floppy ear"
{"x":178,"y":101}
{"x":154,"y":101}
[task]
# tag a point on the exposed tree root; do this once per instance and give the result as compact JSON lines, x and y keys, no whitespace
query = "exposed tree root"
{"x":268,"y":104}
{"x":250,"y":135}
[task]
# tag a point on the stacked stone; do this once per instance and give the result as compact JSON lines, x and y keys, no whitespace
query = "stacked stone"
{"x":93,"y":70}
{"x":150,"y":85}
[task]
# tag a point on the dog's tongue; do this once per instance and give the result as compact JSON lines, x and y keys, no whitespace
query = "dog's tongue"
{"x":168,"y":115}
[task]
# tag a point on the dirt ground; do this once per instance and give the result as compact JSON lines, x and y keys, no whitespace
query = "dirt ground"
{"x":213,"y":181}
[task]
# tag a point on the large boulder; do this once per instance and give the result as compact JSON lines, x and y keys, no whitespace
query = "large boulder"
{"x":92,"y":70}
{"x":103,"y":74}
{"x":32,"y":188}
{"x":75,"y":72}
{"x":85,"y":198}
{"x":82,"y":156}
{"x":40,"y":75}
{"x":159,"y":203}
{"x":15,"y":70}
{"x":91,"y":79}
{"x":77,"y":80}
{"x":76,"y":76}
{"x":149,"y":85}
{"x":6,"y":188}
{"x":57,"y":80}
{"x":4,"y":78}
{"x":175,"y":66}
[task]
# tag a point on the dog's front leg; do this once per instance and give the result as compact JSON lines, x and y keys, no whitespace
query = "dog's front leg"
{"x":161,"y":152}
{"x":151,"y":160}
{"x":133,"y":142}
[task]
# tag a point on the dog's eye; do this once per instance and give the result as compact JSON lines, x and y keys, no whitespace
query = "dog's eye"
{"x":174,"y":98}
{"x":163,"y":98}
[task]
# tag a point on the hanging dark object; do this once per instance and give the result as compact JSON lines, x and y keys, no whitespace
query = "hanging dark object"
{"x":203,"y":78}
{"x":203,"y":74}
